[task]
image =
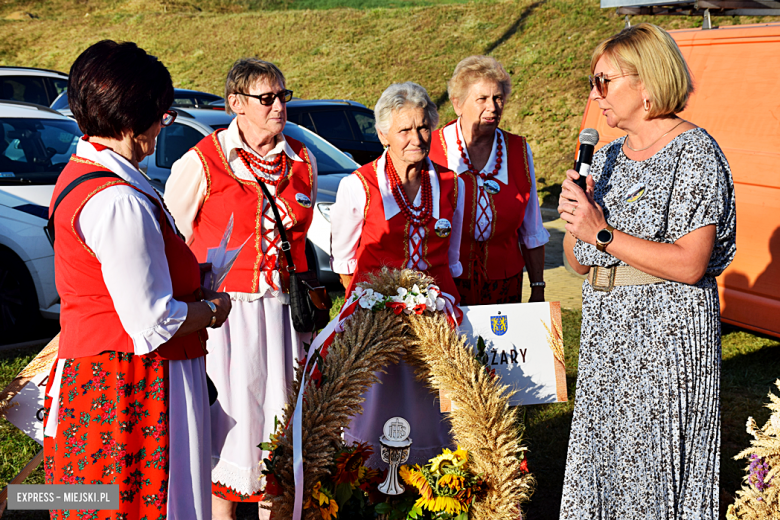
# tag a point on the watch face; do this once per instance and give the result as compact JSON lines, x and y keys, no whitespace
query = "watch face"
{"x":604,"y":236}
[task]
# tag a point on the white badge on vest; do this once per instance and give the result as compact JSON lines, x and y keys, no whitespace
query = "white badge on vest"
{"x":443,"y":228}
{"x":303,"y":200}
{"x":492,"y":186}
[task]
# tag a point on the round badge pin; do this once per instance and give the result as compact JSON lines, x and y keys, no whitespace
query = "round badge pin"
{"x":636,"y":192}
{"x":492,"y":187}
{"x":443,"y":228}
{"x":303,"y":200}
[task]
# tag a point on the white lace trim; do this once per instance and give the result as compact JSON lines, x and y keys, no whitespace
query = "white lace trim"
{"x":241,"y":480}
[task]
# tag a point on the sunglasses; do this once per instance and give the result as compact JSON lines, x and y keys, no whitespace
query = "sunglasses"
{"x":269,"y":98}
{"x":168,"y":118}
{"x":600,"y":82}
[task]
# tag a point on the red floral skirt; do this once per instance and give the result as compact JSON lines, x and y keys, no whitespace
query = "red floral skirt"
{"x":113,"y":429}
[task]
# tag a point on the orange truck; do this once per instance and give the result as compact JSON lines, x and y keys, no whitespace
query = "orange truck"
{"x":736,"y":73}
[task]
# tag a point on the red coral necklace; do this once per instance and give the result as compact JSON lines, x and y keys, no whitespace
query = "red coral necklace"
{"x":262,"y":169}
{"x":416,"y":215}
{"x":499,"y":157}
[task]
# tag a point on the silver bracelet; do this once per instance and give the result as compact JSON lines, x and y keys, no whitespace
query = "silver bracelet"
{"x":538,"y":284}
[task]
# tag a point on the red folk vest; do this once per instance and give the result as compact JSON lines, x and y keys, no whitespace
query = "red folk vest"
{"x":502,"y":257}
{"x":90,"y":324}
{"x":386,"y":242}
{"x":228,"y":194}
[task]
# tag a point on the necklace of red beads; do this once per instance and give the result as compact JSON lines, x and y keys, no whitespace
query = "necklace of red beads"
{"x":499,"y":157}
{"x":262,"y":169}
{"x":418,"y":216}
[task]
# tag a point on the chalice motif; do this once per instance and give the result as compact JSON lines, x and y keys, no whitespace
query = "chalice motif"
{"x":395,"y":451}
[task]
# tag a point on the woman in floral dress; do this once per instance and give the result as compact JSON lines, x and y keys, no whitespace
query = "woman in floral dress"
{"x":654,"y":227}
{"x":128,"y":400}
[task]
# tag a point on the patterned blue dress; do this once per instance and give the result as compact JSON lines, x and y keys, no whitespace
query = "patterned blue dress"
{"x":645,"y":439}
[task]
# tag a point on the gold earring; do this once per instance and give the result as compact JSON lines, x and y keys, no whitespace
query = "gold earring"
{"x":646,"y":104}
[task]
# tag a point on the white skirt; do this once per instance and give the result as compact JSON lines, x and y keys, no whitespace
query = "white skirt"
{"x":251,"y":362}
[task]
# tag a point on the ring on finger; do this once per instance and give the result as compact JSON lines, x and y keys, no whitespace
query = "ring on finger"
{"x":574,"y":211}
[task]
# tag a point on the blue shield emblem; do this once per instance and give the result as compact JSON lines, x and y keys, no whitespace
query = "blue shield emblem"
{"x":498,"y":325}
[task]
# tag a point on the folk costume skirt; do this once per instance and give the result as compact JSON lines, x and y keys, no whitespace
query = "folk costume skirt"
{"x":251,"y":362}
{"x":139,"y":422}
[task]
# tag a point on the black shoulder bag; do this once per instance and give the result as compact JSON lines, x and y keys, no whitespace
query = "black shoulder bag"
{"x":309,"y":301}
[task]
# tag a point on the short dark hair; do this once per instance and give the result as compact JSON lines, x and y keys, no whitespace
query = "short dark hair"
{"x":114,"y":87}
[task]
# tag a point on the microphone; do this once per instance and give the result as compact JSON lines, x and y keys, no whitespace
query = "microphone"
{"x":588,"y":139}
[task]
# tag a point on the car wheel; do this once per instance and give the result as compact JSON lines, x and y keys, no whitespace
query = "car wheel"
{"x":18,"y":301}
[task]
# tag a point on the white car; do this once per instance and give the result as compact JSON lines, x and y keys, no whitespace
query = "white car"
{"x":40,"y":86}
{"x":192,"y":125}
{"x":35,"y":145}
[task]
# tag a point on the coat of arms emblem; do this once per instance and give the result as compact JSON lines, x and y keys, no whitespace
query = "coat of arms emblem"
{"x":498,"y":324}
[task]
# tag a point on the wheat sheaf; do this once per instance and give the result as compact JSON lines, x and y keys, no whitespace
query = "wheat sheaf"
{"x":482,"y":422}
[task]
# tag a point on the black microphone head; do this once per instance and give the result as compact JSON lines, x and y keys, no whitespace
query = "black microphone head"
{"x":589,"y":136}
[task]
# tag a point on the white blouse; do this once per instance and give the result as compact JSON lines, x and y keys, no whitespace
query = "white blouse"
{"x":186,"y":188}
{"x":120,"y":226}
{"x":532,"y":232}
{"x":347,"y":219}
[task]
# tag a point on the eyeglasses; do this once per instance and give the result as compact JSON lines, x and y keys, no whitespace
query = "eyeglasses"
{"x":169,"y":117}
{"x":600,"y":82}
{"x":268,"y":98}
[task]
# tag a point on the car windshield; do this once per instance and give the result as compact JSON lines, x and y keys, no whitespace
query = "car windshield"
{"x":329,"y":158}
{"x":34,"y":151}
{"x":61,"y":102}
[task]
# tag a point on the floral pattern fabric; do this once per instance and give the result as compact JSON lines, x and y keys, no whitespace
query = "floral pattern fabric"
{"x":113,"y":429}
{"x":645,"y":438}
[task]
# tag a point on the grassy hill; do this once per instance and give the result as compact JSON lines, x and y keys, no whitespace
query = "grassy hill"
{"x":350,"y":53}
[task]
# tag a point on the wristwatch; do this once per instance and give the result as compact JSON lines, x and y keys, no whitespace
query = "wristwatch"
{"x":604,"y":238}
{"x":213,"y":311}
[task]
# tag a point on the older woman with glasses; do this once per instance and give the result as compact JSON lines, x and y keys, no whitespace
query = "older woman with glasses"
{"x":253,"y":355}
{"x":503,"y":224}
{"x":400,"y":211}
{"x":129,"y":400}
{"x":652,"y":230}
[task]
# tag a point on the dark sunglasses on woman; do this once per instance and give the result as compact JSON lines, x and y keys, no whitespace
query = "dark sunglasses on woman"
{"x":268,"y":98}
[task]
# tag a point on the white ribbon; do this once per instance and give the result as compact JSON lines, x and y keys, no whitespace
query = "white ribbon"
{"x":332,"y":328}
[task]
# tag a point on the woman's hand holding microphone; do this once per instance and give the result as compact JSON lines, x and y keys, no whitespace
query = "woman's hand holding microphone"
{"x":584,"y":218}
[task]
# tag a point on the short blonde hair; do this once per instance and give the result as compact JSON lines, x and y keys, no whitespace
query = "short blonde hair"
{"x":652,"y":54}
{"x":245,"y":72}
{"x":474,"y":69}
{"x":396,"y":97}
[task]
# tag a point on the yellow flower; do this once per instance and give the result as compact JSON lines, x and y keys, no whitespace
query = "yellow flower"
{"x":449,"y":505}
{"x":415,"y":478}
{"x":439,"y":462}
{"x":322,"y":497}
{"x":454,"y":482}
{"x":438,"y":504}
{"x":462,"y":457}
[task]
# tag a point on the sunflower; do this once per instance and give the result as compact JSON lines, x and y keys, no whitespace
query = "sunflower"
{"x":348,"y":464}
{"x":322,"y":497}
{"x":454,"y":482}
{"x":462,"y":456}
{"x":414,"y":477}
{"x":438,"y":504}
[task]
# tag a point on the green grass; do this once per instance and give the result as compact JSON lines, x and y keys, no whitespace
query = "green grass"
{"x":751,"y":363}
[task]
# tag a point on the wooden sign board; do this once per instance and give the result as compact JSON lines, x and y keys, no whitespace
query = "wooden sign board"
{"x":524,"y":345}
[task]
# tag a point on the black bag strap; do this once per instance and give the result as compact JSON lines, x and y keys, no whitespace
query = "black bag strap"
{"x":49,"y":229}
{"x":280,"y":227}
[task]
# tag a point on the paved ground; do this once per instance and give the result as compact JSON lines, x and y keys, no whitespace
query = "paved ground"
{"x":562,"y":285}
